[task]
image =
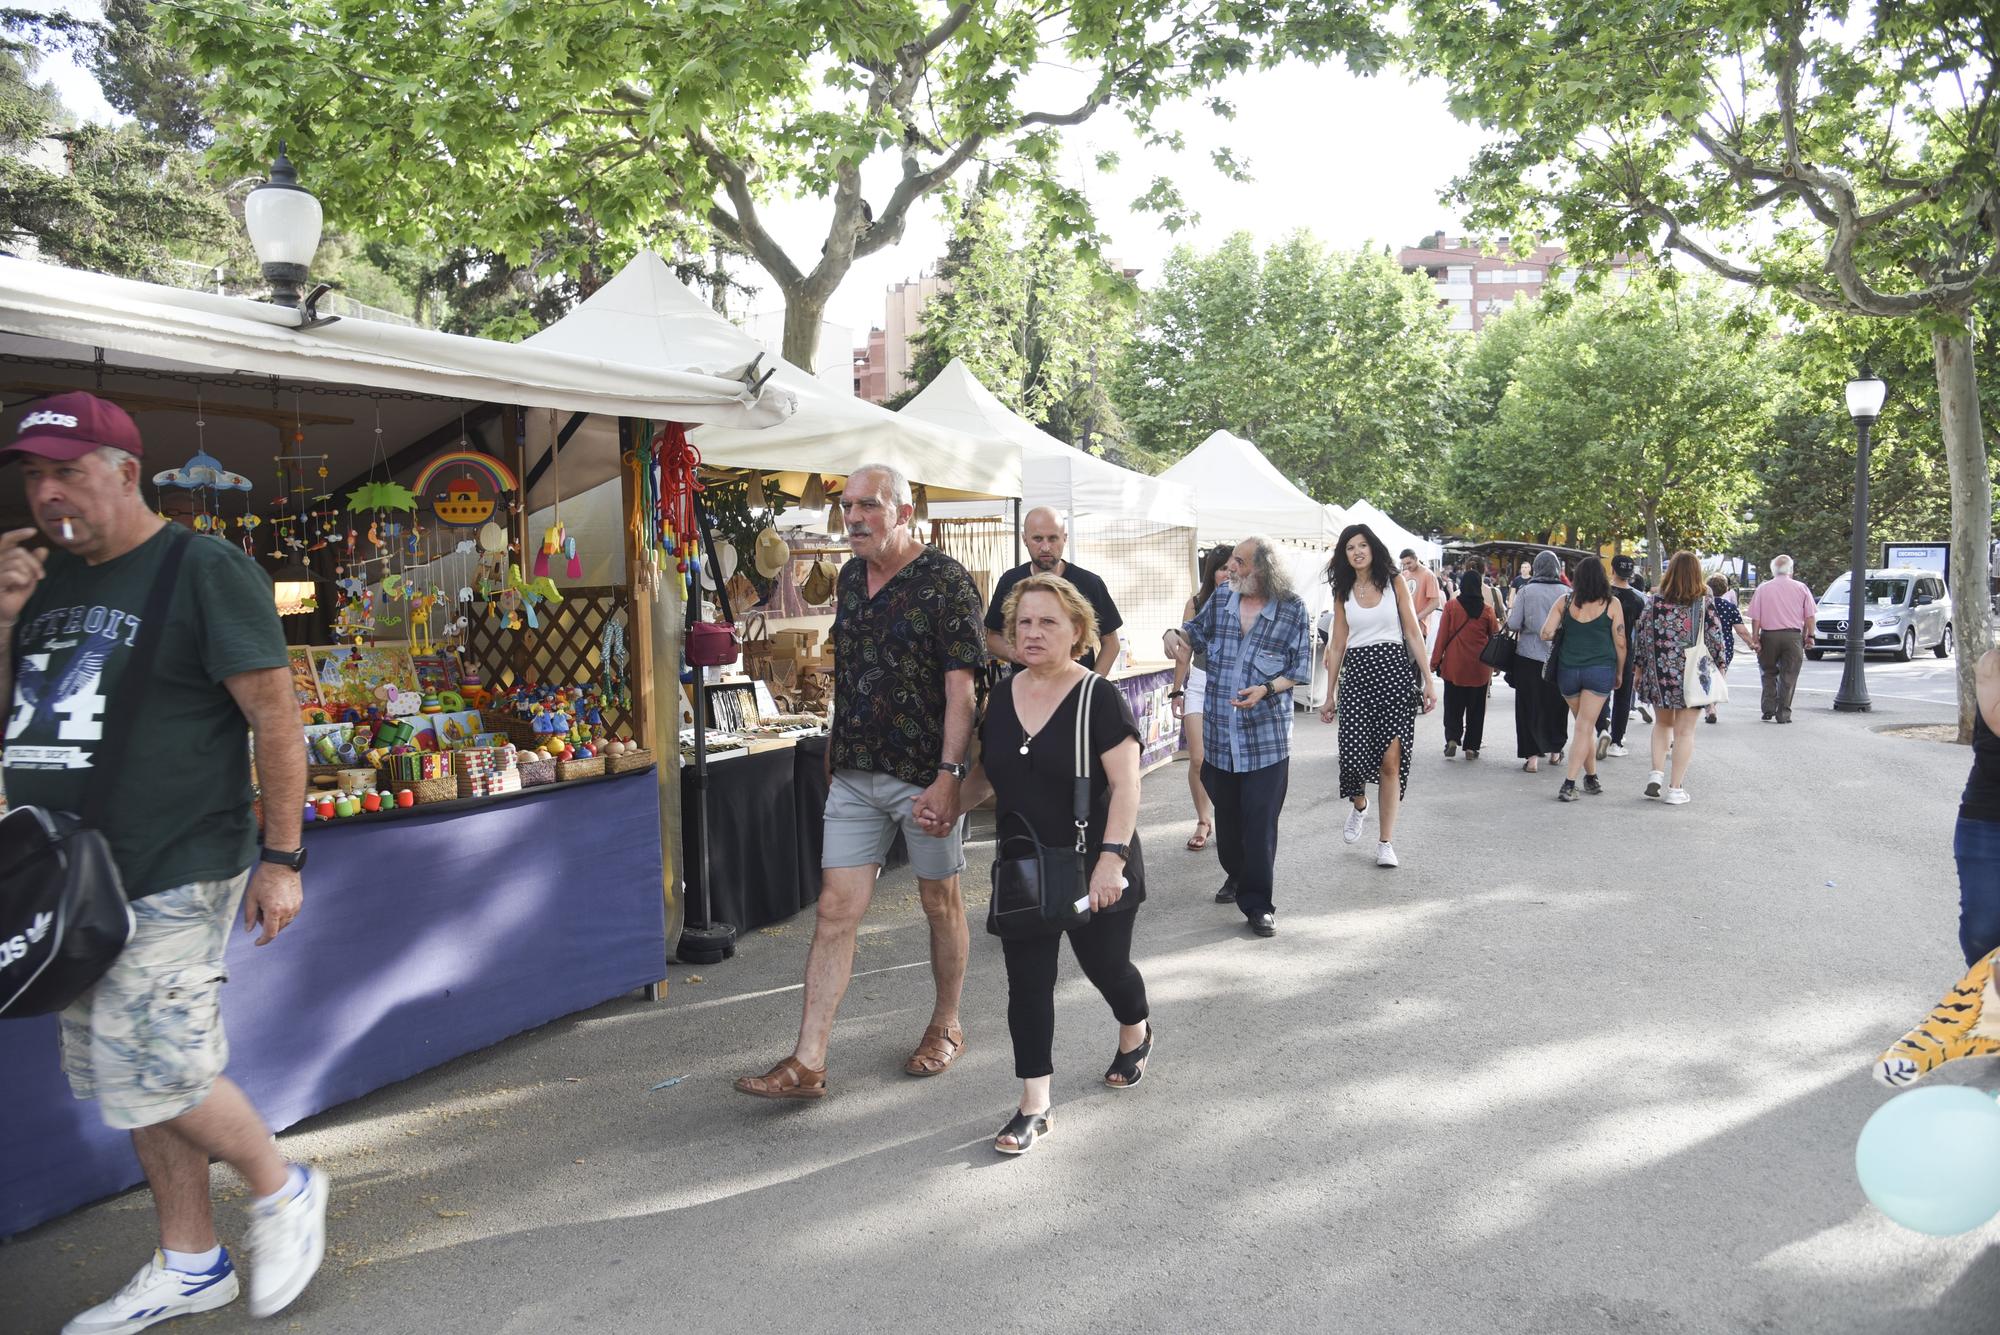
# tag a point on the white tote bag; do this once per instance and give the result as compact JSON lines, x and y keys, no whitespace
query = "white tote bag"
{"x":1702,"y":682}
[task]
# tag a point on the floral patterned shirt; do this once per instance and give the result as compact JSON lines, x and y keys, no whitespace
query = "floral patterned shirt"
{"x":891,"y":654}
{"x":1660,"y":646}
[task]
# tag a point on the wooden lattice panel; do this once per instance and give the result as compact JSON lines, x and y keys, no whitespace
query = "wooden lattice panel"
{"x":565,"y":651}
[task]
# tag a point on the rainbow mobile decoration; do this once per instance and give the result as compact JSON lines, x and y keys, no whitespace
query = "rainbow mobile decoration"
{"x":464,"y":488}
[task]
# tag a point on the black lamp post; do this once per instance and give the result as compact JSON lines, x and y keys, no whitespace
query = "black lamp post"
{"x":284,"y":222}
{"x":1864,"y":404}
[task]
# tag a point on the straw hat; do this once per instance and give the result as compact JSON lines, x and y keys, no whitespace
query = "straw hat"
{"x":772,"y":553}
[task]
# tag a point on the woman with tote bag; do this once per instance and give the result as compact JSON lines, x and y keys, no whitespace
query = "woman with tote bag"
{"x":1679,"y":645}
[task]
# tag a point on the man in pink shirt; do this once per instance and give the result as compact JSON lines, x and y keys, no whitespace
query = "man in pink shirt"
{"x":1781,"y":630}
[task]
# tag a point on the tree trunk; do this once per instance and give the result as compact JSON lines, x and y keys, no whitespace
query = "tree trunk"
{"x":803,"y":313}
{"x":1652,"y":513}
{"x":1971,"y":511}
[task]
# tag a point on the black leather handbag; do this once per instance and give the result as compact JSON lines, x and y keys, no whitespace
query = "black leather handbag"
{"x":64,"y":917}
{"x":1038,"y":890}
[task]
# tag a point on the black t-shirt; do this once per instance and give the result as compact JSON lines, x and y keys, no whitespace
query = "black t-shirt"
{"x":1038,"y":787}
{"x":1632,"y":603}
{"x":1087,"y":584}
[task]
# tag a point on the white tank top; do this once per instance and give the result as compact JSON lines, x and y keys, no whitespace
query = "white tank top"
{"x":1379,"y":624}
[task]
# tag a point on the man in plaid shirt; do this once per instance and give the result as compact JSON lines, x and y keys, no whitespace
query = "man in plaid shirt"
{"x":1259,"y":645}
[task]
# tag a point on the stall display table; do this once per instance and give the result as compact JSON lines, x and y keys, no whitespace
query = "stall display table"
{"x":425,"y":935}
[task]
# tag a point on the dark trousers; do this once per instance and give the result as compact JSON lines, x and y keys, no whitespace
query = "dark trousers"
{"x":1541,"y":717}
{"x":1103,"y":946}
{"x":1780,"y":656}
{"x":1975,"y":846}
{"x":1246,"y":828}
{"x":1465,"y":715}
{"x":1617,"y":710}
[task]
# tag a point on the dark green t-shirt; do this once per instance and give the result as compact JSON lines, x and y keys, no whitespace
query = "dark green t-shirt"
{"x":180,"y":799}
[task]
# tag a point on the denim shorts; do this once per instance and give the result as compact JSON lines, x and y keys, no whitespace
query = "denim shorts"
{"x":146,"y":1040}
{"x":864,"y":810}
{"x":1600,"y":679}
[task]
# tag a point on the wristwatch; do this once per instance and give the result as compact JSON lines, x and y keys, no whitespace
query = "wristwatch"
{"x":956,"y":771}
{"x":1270,"y":687}
{"x":296,"y":859}
{"x":1122,"y":850}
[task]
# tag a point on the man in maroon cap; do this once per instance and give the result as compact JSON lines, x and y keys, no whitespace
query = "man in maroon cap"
{"x":146,"y":1041}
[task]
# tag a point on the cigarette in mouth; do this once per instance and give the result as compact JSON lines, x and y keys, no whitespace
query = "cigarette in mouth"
{"x":68,"y":530}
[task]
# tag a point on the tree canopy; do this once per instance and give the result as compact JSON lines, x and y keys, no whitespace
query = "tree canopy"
{"x":494,"y":124}
{"x":1337,"y":364}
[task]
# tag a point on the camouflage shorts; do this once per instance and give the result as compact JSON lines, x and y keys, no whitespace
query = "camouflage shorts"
{"x":146,"y":1041}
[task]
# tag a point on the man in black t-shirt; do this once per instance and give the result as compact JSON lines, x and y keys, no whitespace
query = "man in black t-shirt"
{"x":1043,"y":531}
{"x":1618,"y":709}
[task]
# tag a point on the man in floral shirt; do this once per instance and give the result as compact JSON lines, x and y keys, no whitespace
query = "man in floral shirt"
{"x":908,"y":641}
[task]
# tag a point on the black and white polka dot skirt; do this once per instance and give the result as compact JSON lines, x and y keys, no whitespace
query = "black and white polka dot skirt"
{"x":1377,"y":707}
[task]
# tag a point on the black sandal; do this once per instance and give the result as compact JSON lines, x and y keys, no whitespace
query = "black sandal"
{"x":1026,"y":1129}
{"x":1131,"y":1066}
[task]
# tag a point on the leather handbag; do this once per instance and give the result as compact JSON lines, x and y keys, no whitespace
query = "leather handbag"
{"x":1701,"y":683}
{"x":64,"y":916}
{"x":1038,"y":889}
{"x":1498,"y":651}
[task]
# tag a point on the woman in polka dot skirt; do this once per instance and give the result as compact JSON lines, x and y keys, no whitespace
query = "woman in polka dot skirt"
{"x":1377,"y":656}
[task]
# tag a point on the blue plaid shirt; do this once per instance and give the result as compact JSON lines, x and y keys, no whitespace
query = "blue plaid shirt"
{"x":1279,"y":644}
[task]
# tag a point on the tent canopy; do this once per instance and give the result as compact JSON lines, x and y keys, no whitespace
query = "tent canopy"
{"x":1238,"y":494}
{"x":1059,"y":476}
{"x":1393,"y":535}
{"x":646,"y":315}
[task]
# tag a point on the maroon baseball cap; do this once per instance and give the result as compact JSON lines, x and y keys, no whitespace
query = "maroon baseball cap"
{"x":69,"y":426}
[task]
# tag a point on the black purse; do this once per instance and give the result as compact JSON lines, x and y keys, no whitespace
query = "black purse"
{"x":1039,"y":890}
{"x":1549,"y":667}
{"x":64,"y":917}
{"x":1498,"y":651}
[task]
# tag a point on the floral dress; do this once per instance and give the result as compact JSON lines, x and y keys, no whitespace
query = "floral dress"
{"x":1660,"y":643}
{"x":1729,"y":616}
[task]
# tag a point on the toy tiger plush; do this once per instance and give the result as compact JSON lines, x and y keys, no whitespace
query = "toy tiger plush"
{"x":1965,"y":1024}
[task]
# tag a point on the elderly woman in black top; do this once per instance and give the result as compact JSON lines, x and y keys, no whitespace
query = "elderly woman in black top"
{"x":1028,"y":762}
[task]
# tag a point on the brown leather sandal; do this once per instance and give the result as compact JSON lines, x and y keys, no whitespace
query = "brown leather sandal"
{"x":936,"y":1051}
{"x":787,"y":1080}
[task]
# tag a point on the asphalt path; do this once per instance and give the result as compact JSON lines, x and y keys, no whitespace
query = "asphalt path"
{"x":1590,"y":1067}
{"x":1925,"y":680}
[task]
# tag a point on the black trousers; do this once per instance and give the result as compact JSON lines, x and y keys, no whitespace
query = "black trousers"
{"x":1617,"y":711}
{"x":1103,"y":946}
{"x":1541,"y":718}
{"x":1246,"y":828}
{"x":1465,"y":715}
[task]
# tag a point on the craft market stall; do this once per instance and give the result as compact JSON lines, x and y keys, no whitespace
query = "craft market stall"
{"x":481,"y":727}
{"x":758,"y":716}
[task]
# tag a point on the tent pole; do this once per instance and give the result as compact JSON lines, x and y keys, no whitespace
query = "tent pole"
{"x":706,"y":941}
{"x":1018,"y":549}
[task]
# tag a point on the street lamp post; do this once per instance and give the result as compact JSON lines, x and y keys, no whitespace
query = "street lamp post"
{"x":1864,"y":405}
{"x":284,"y":222}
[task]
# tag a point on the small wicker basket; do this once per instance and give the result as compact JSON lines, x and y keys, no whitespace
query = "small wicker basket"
{"x":580,"y":769}
{"x":535,"y":772}
{"x":628,"y":761}
{"x":432,"y":790}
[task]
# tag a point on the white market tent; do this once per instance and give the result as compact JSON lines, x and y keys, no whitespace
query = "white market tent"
{"x":1239,"y":493}
{"x":1394,"y":536}
{"x":647,"y":316}
{"x":1053,"y":474}
{"x":67,"y":315}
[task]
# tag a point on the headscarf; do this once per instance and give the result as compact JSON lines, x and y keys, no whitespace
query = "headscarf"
{"x":1548,"y":569}
{"x":1469,"y":595}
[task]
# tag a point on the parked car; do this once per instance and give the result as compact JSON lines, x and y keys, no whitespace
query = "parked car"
{"x":1907,"y":611}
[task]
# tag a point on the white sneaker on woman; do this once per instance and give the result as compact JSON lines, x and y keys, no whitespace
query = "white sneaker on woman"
{"x":1673,"y":797}
{"x":1355,"y":816}
{"x":1385,"y":856}
{"x":1655,"y":781}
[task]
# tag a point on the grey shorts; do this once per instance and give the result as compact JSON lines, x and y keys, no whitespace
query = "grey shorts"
{"x":146,"y":1040}
{"x":863,"y":811}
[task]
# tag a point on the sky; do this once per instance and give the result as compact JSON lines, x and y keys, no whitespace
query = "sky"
{"x":1357,"y":161}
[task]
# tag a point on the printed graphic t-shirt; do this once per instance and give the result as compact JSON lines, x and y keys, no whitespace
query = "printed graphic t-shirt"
{"x":179,"y":809}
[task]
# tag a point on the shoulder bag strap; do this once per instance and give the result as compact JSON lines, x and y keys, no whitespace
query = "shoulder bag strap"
{"x":1080,"y":793}
{"x":124,"y":709}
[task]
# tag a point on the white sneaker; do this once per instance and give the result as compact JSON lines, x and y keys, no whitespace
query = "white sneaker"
{"x":1655,"y":781}
{"x":158,"y":1294}
{"x":1616,"y":750}
{"x":284,"y":1245}
{"x":1603,"y":744}
{"x":1673,"y":797}
{"x":1385,"y":856}
{"x":1354,"y":819}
